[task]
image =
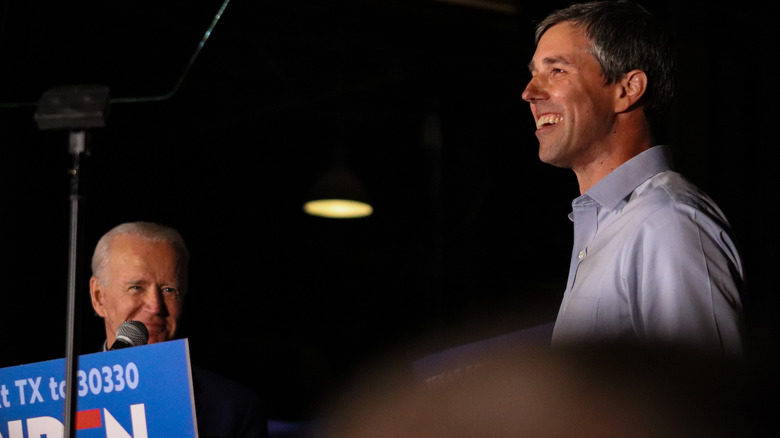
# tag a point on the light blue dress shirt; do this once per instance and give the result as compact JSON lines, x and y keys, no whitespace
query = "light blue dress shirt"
{"x":653,"y":260}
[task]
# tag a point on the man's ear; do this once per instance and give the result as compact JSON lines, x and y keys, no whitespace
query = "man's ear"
{"x":97,"y":295}
{"x":632,"y":87}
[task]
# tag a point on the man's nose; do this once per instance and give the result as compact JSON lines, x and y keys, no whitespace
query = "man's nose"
{"x":153,"y":300}
{"x":533,"y":91}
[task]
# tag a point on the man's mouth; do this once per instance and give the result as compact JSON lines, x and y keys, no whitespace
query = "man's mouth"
{"x":547,"y":120}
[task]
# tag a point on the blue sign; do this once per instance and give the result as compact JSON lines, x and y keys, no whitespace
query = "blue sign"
{"x":138,"y":392}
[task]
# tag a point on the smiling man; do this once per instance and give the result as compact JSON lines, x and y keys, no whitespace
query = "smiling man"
{"x":653,"y":257}
{"x":139,"y":273}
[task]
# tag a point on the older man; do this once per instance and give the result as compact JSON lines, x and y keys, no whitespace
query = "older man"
{"x":140,"y":273}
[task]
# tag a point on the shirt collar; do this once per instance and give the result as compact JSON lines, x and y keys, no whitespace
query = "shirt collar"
{"x":621,"y":182}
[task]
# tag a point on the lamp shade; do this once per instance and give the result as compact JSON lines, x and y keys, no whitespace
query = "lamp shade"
{"x":338,"y":193}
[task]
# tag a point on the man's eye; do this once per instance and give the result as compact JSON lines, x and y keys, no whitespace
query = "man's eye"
{"x":135,"y":289}
{"x":171,"y":290}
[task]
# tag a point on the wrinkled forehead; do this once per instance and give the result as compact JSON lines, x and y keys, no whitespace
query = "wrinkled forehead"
{"x":131,"y":254}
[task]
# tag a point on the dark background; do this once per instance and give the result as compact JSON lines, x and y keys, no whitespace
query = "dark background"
{"x":470,"y":236}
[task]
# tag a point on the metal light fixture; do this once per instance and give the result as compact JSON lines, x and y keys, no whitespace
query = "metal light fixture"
{"x":338,"y":194}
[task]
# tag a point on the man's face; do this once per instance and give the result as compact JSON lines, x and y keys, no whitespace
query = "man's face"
{"x":141,"y":283}
{"x":570,"y":101}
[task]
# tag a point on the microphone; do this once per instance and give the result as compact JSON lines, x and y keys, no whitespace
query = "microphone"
{"x":130,"y":334}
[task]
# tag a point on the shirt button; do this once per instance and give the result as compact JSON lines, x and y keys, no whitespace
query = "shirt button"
{"x":581,"y":255}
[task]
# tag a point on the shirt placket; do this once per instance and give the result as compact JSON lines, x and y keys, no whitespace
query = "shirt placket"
{"x":585,"y":218}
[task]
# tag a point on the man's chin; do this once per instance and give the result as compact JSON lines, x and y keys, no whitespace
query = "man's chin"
{"x":162,"y":337}
{"x":553,"y":158}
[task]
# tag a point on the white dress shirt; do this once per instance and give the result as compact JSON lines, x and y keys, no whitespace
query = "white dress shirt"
{"x":653,"y":260}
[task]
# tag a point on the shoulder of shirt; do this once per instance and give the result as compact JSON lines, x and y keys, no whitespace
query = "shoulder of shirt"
{"x":670,"y":187}
{"x":668,"y":195}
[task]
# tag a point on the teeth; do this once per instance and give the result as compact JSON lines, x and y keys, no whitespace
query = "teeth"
{"x":548,"y":119}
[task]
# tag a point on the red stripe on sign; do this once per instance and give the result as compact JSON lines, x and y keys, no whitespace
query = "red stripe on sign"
{"x":88,"y":419}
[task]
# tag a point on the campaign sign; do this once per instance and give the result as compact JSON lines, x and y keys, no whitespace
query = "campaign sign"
{"x":137,"y":392}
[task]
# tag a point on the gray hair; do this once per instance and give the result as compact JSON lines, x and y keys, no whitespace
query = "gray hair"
{"x":148,"y":231}
{"x":625,"y":36}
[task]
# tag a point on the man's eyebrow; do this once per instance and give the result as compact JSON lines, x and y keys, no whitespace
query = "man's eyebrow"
{"x":134,"y":280}
{"x":550,"y":60}
{"x":139,"y":281}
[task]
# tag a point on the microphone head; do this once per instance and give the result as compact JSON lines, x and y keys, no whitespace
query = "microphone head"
{"x":133,"y":333}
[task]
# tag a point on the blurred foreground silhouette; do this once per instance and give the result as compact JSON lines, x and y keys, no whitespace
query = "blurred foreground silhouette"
{"x":592,"y":391}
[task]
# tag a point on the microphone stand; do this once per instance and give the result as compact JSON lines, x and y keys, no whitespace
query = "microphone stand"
{"x":75,"y":108}
{"x":78,"y":149}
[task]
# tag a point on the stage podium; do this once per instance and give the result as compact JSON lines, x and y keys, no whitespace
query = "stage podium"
{"x":456,"y":361}
{"x":139,"y":392}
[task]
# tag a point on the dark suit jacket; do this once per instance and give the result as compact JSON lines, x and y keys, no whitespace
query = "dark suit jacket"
{"x":225,"y":409}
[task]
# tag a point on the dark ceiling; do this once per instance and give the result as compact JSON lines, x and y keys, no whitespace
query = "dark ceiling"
{"x":223,"y":141}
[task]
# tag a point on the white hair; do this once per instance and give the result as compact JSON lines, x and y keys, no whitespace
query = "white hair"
{"x":148,"y":231}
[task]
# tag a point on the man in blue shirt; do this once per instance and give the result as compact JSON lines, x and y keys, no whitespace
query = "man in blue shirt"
{"x":653,"y":258}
